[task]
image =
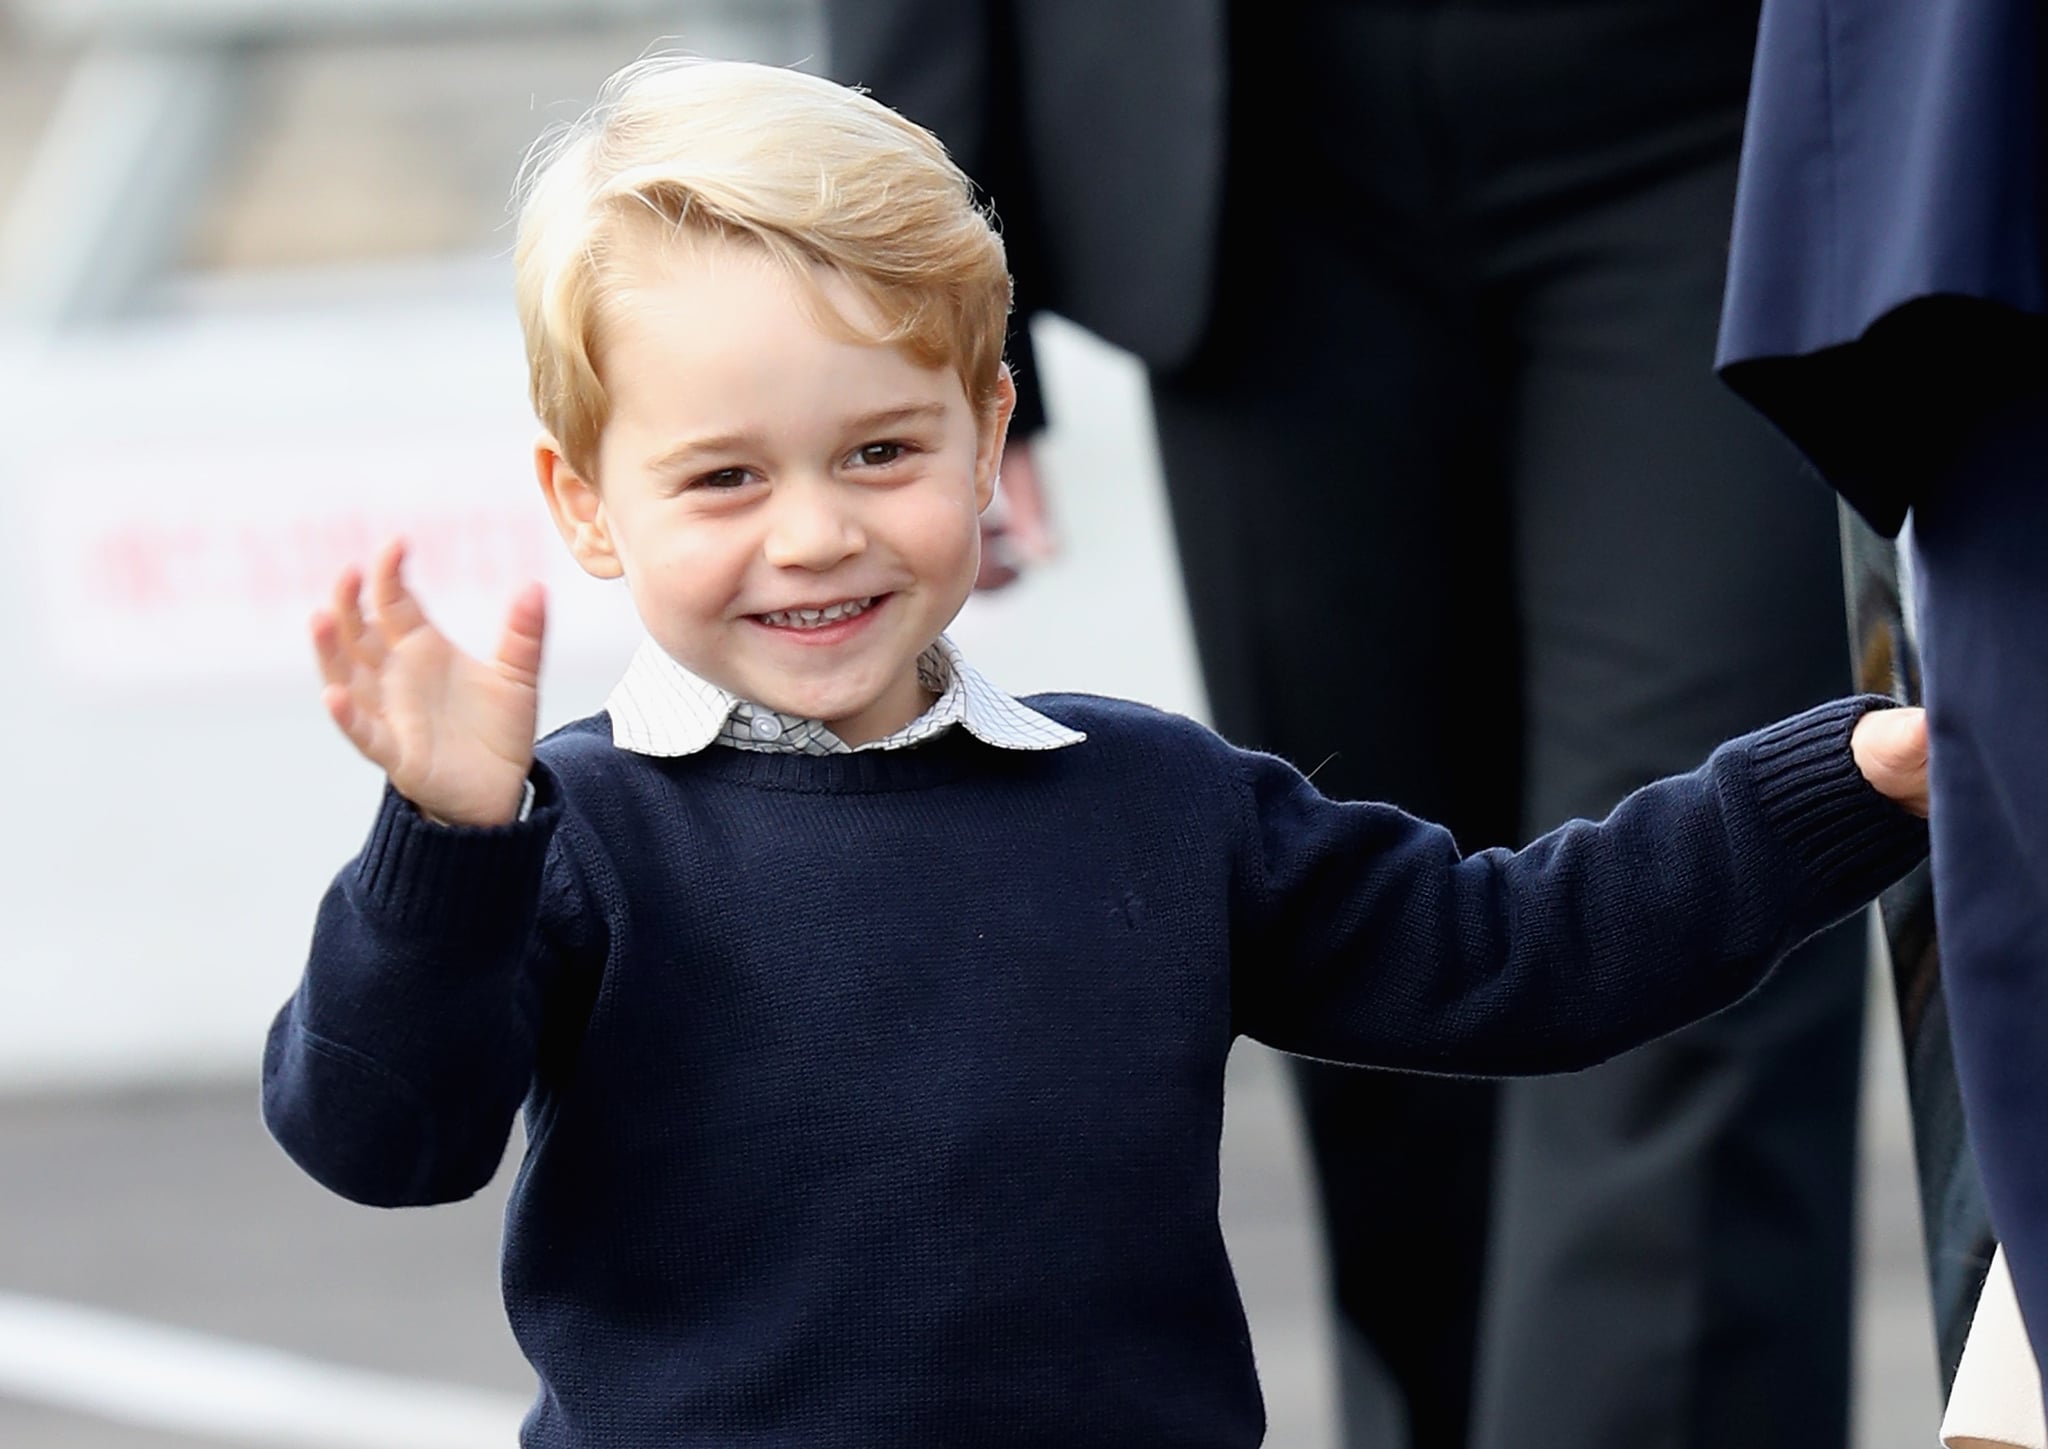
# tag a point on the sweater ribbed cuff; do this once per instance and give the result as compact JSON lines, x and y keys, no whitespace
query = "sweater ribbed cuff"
{"x":425,"y":876}
{"x":1851,"y":840}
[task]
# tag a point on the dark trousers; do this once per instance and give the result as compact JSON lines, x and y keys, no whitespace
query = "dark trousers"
{"x":1982,"y":559}
{"x":1466,"y":523}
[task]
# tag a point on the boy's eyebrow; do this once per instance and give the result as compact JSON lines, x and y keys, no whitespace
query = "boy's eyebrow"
{"x":732,"y":442}
{"x":930,"y":412}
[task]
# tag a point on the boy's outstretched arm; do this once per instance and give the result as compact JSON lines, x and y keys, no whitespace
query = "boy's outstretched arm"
{"x":1366,"y":937}
{"x":393,"y":1073}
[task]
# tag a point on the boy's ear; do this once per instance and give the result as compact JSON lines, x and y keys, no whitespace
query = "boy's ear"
{"x":577,"y":509}
{"x":995,"y":428}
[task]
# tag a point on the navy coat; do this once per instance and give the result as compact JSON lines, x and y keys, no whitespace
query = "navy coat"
{"x":1886,"y":298}
{"x":1886,"y":283}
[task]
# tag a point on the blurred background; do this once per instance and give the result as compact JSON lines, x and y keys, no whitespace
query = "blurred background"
{"x":255,"y":315}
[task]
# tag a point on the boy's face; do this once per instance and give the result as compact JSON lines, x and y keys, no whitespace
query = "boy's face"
{"x":796,"y":515}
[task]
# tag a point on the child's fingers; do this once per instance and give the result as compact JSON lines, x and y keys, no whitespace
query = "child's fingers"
{"x":338,"y":671}
{"x":364,"y":728}
{"x":519,"y":647}
{"x":1913,"y":737}
{"x":1901,"y":738}
{"x":1890,"y":746}
{"x":333,"y":657}
{"x":1909,"y":754}
{"x":397,"y":612}
{"x":347,"y":608}
{"x":341,"y":707}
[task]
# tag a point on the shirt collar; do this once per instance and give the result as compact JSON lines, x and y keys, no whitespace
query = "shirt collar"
{"x":660,"y":708}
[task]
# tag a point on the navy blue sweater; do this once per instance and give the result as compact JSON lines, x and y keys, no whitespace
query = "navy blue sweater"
{"x":875,"y":1099}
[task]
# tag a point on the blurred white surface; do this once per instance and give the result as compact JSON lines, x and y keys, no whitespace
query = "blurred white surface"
{"x":245,"y":18}
{"x":163,"y":1378}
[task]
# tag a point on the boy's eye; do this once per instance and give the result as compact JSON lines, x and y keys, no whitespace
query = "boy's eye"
{"x":723,"y":478}
{"x":879,"y":455}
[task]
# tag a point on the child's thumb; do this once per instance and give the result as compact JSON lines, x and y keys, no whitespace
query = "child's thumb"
{"x":1890,"y":746}
{"x":519,"y":646}
{"x":1899,"y":738}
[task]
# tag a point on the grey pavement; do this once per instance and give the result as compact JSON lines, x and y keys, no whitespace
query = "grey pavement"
{"x":173,"y":1206}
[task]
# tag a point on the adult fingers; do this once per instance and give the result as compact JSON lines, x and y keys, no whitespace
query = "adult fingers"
{"x":998,"y":567}
{"x":1030,"y":512}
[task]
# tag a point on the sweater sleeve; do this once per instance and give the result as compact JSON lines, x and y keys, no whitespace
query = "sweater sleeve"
{"x":1365,"y":937}
{"x":393,"y":1073}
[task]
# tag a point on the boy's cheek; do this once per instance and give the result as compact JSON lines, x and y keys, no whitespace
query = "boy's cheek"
{"x":686,"y":585}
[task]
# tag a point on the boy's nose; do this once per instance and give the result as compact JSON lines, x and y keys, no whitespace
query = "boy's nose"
{"x":810,"y":529}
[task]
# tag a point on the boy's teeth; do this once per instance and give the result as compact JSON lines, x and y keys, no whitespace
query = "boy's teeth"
{"x":815,"y":618}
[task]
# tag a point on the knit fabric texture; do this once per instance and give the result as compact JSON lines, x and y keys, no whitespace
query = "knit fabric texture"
{"x":875,"y":1098}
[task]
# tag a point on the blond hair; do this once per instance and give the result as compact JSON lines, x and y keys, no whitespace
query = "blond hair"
{"x":819,"y":176}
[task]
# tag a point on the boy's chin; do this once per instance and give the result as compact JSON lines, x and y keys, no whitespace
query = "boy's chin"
{"x":859,"y":718}
{"x":855,"y":700}
{"x":860,"y":724}
{"x":819,"y":697}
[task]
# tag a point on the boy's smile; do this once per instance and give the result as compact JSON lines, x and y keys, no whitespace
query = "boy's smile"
{"x":808,"y":620}
{"x":795,"y":513}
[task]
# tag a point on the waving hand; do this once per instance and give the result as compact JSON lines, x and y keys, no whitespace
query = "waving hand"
{"x":453,"y":733}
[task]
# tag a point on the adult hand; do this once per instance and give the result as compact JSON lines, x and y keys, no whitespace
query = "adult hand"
{"x":454,"y":734}
{"x":1890,"y":746}
{"x":1016,"y":529}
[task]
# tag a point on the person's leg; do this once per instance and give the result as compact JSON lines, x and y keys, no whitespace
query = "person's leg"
{"x":1333,"y":495}
{"x":1304,"y":585}
{"x":1672,"y":1256}
{"x":1982,"y":562}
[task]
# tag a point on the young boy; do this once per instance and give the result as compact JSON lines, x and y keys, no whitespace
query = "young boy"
{"x":870,"y":1024}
